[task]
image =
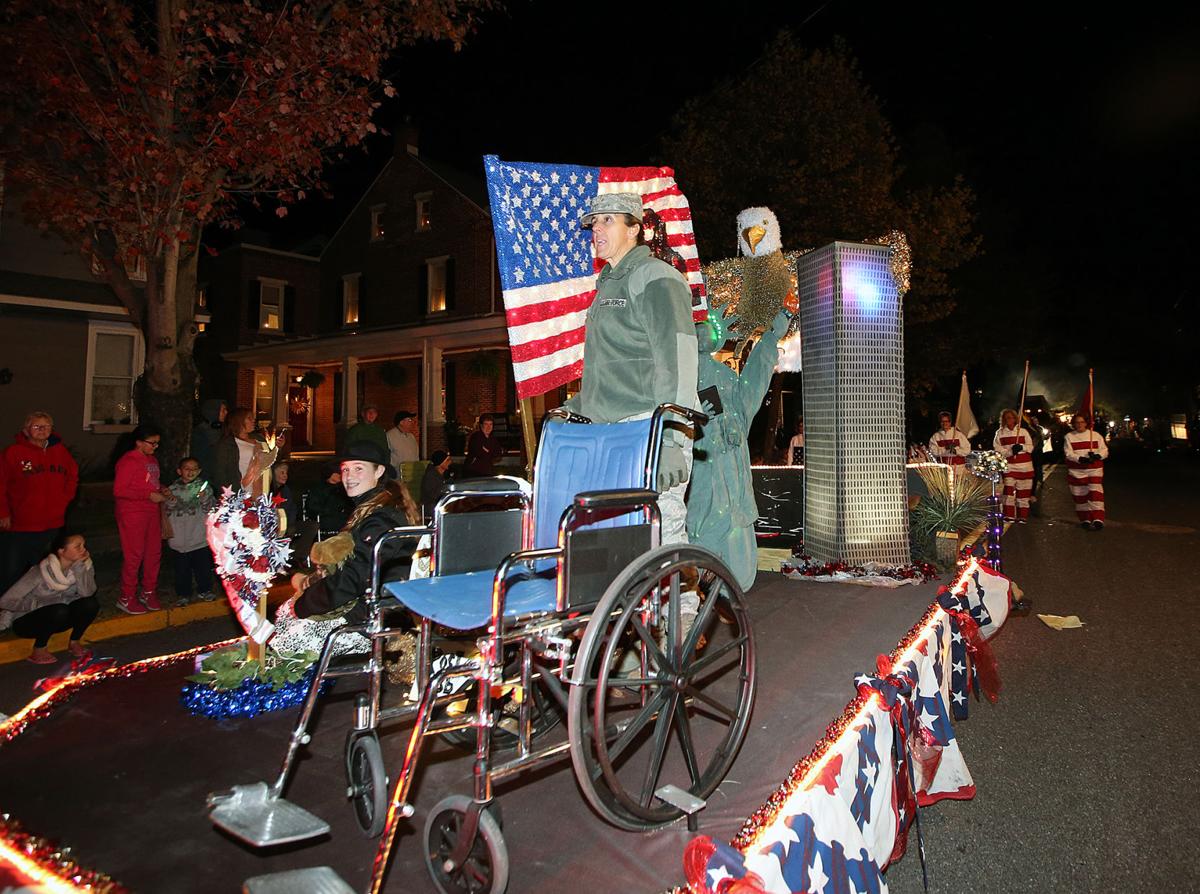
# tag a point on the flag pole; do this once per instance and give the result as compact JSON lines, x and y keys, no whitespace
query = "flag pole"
{"x":958,"y":409}
{"x":527,"y":435}
{"x":1024,"y":385}
{"x":1091,"y":400}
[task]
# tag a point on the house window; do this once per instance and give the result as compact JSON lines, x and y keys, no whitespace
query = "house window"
{"x":424,"y":203}
{"x":270,"y":305}
{"x":436,"y":274}
{"x":202,"y":296}
{"x":350,"y":299}
{"x":114,"y":360}
{"x":377,"y":231}
{"x":264,"y":395}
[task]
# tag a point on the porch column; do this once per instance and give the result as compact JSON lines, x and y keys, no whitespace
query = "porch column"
{"x":281,"y":397}
{"x":349,"y":391}
{"x":431,"y":397}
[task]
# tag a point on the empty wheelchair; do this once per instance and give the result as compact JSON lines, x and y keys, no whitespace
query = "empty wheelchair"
{"x":582,"y":616}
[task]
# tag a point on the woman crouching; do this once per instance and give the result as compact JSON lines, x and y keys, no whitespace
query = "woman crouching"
{"x":57,"y":594}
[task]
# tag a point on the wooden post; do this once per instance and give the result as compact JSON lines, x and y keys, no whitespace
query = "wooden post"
{"x":255,"y":651}
{"x":527,"y":435}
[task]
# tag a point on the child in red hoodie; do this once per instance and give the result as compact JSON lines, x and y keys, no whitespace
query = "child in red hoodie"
{"x":138,"y":493}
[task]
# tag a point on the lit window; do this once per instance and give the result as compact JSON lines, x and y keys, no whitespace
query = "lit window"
{"x":350,"y":299}
{"x":114,"y":360}
{"x":202,"y":297}
{"x":424,"y":203}
{"x":270,"y":305}
{"x":264,"y":394}
{"x":436,"y":295}
{"x":377,"y":231}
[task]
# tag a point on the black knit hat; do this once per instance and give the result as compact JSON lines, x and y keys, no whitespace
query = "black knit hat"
{"x":368,"y":452}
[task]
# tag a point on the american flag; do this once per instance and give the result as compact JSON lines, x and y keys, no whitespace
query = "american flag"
{"x":547,"y":271}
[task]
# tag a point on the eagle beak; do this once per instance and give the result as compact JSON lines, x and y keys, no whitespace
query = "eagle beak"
{"x":753,"y":236}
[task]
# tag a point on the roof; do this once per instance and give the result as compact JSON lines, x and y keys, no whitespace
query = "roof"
{"x":75,"y":291}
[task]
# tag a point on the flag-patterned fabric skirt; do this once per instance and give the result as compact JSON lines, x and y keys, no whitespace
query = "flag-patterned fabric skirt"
{"x":1018,"y":482}
{"x":1086,"y":481}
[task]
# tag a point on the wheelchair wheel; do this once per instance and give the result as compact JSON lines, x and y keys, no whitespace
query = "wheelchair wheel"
{"x":485,"y":871}
{"x":697,"y":690}
{"x":368,"y":783}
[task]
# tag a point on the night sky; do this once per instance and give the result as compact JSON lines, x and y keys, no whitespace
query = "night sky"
{"x":1079,"y":133}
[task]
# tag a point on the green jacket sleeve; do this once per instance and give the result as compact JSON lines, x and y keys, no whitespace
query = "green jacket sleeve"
{"x":755,"y":378}
{"x":665,"y":310}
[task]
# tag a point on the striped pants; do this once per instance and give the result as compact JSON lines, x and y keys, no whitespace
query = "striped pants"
{"x":1087,"y":489}
{"x":1018,"y":486}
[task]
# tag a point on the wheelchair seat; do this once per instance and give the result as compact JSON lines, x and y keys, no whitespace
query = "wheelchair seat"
{"x":572,"y":459}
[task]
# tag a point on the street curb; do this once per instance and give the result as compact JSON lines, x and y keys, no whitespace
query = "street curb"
{"x":12,"y":650}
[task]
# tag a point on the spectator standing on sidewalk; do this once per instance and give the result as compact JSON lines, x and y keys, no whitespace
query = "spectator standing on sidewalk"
{"x":402,"y":439}
{"x":38,"y":479}
{"x":57,"y":594}
{"x":483,"y":450}
{"x":139,"y":493}
{"x":366,"y":430}
{"x":186,"y":512}
{"x":206,"y":433}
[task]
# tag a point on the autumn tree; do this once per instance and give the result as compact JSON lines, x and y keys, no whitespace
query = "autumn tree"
{"x":128,"y":125}
{"x":802,"y":132}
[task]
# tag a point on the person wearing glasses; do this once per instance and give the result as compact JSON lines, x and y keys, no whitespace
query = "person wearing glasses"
{"x":139,"y":493}
{"x":38,"y":479}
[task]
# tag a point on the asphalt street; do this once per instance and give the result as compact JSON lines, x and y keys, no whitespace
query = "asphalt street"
{"x":1086,"y":768}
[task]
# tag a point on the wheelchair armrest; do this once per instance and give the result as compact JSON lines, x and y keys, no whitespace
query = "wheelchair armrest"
{"x":499,"y":485}
{"x":614,"y":499}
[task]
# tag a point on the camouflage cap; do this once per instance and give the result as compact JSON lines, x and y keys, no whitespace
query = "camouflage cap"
{"x":613,"y":203}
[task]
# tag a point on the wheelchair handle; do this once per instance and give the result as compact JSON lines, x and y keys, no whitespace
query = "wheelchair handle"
{"x":693,"y":416}
{"x":498,"y":485}
{"x":607,"y":499}
{"x":566,"y":415}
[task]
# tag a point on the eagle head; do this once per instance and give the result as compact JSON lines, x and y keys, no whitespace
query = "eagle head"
{"x":758,"y":232}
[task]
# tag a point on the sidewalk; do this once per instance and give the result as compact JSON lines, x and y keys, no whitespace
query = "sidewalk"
{"x":119,"y":624}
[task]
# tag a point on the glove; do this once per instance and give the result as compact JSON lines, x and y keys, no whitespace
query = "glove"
{"x":672,"y":467}
{"x":1093,"y":457}
{"x":1017,"y":448}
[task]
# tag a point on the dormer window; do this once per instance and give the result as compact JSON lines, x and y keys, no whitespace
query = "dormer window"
{"x":377,"y":230}
{"x":350,"y":286}
{"x":424,"y":207}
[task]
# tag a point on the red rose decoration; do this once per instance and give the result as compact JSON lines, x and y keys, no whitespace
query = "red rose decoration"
{"x":250,"y":520}
{"x":237,"y":582}
{"x":260,"y":564}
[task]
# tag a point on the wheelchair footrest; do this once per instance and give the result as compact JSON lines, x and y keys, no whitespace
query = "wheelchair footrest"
{"x":249,"y":813}
{"x":318,"y":880}
{"x":677,"y":797}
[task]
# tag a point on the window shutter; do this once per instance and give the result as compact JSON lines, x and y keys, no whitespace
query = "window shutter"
{"x":423,"y":290}
{"x":289,"y":309}
{"x":362,"y":299}
{"x":253,"y":302}
{"x":449,"y":283}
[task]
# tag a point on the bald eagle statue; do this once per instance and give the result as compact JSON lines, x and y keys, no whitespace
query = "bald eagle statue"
{"x":758,"y":281}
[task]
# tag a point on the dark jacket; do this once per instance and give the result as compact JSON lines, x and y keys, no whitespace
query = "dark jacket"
{"x":351,"y":580}
{"x":37,"y":483}
{"x":433,"y":483}
{"x":482,"y":453}
{"x":328,"y":505}
{"x":205,"y":435}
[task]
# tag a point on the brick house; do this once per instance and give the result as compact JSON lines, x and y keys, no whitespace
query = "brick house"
{"x":402,"y":311}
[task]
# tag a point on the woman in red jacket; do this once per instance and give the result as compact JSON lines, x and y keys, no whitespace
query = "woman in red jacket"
{"x":38,"y":477}
{"x":138,"y":493}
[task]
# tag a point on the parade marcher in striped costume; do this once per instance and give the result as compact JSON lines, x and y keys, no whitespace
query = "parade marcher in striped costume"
{"x":948,"y":444}
{"x":1013,"y":442}
{"x":1085,"y":452}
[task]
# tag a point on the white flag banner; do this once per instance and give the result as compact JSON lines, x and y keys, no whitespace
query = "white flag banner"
{"x":964,"y":419}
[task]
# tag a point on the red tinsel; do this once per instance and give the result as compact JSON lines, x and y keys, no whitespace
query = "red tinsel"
{"x":55,"y":859}
{"x":806,"y":567}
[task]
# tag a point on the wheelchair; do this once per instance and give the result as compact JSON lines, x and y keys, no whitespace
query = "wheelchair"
{"x":556,"y":602}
